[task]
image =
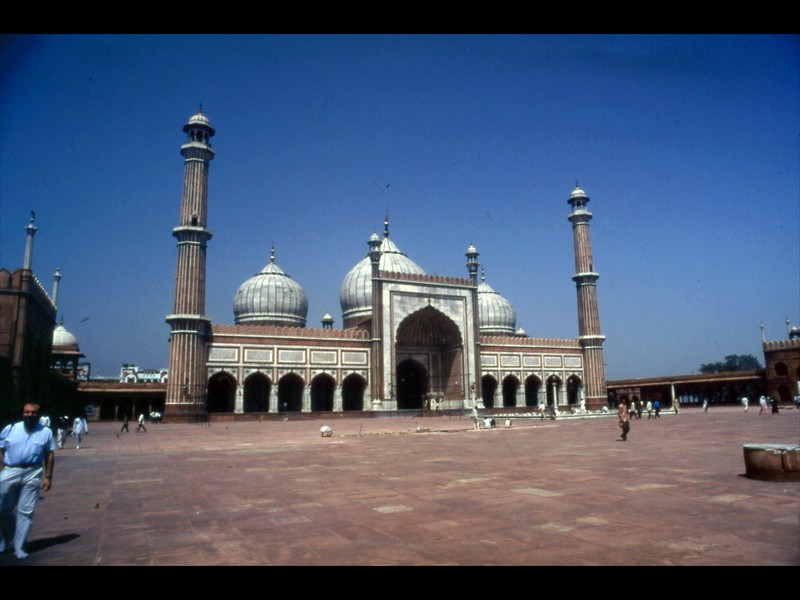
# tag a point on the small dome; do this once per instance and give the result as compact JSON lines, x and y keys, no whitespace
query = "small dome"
{"x":472,"y":249}
{"x":271,"y":297}
{"x":63,"y":338}
{"x":355,"y":295}
{"x":578,"y":195}
{"x":199,"y":119}
{"x":496,"y":314}
{"x":521,"y":332}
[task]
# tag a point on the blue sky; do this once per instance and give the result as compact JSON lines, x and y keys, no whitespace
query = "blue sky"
{"x":687,"y":146}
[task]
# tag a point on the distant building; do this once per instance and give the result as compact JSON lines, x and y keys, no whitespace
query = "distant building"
{"x":782,"y":363}
{"x":133,"y":374}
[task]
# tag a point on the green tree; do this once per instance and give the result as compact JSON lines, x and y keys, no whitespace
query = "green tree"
{"x":732,"y":362}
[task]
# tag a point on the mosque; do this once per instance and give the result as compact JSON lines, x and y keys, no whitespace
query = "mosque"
{"x":409,"y":340}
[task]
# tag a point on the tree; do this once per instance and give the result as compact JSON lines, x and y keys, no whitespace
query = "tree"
{"x":732,"y":362}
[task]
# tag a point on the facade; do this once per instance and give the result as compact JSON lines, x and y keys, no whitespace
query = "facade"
{"x":782,"y":364}
{"x":27,"y":336}
{"x":409,"y":340}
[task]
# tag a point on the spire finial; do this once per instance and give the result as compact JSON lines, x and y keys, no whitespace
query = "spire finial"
{"x":386,"y":224}
{"x":483,"y":274}
{"x":763,"y":339}
{"x":272,"y":253}
{"x":200,"y":109}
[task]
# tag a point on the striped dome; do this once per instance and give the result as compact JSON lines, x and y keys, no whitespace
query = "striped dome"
{"x":496,"y":314}
{"x":355,"y":295}
{"x":271,"y":297}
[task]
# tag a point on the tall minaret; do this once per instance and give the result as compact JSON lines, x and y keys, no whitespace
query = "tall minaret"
{"x":585,"y":280}
{"x":191,"y":329}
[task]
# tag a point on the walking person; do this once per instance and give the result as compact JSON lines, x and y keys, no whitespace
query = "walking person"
{"x":745,"y":403}
{"x":649,"y":409}
{"x":624,"y":419}
{"x":763,"y":403}
{"x":125,"y":425}
{"x":27,"y":459}
{"x":677,"y":404}
{"x":63,"y":430}
{"x":657,"y":409}
{"x":78,"y":430}
{"x":141,"y":423}
{"x":705,"y":405}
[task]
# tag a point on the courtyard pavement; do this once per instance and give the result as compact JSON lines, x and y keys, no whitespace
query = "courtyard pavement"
{"x":422,"y":491}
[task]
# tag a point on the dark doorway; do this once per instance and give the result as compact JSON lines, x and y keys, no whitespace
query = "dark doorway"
{"x":412,"y":385}
{"x":510,"y":387}
{"x":322,"y":388}
{"x":488,"y":388}
{"x":221,"y":393}
{"x":353,"y":388}
{"x":256,"y":393}
{"x":290,"y":393}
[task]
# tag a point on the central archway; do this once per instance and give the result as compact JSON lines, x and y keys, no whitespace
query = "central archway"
{"x":429,"y":336}
{"x":412,"y":384}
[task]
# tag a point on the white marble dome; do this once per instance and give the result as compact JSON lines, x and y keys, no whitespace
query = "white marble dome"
{"x":63,"y":338}
{"x":496,"y":314}
{"x":270,"y":297}
{"x":355,"y":295}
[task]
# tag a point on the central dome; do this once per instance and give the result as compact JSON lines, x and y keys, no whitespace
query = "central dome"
{"x":271,"y":297}
{"x":355,"y":295}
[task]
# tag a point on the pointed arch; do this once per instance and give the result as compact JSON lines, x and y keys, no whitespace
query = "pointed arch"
{"x":221,"y":393}
{"x":510,"y":387}
{"x":257,"y":388}
{"x":290,"y":393}
{"x":322,"y":389}
{"x":532,"y":386}
{"x":488,"y":388}
{"x":353,"y":388}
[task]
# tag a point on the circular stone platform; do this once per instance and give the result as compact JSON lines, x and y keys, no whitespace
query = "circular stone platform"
{"x":772,"y":462}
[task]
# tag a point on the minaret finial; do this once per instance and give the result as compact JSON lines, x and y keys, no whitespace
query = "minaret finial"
{"x":483,"y":274}
{"x":386,"y":224}
{"x":272,"y":253}
{"x":200,"y":109}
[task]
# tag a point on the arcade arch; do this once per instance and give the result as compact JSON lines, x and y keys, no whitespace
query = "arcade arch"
{"x":353,"y":388}
{"x":488,"y":389}
{"x":322,"y":389}
{"x":290,"y":393}
{"x":221,"y":393}
{"x":510,"y":387}
{"x":532,"y":386}
{"x":256,"y":393}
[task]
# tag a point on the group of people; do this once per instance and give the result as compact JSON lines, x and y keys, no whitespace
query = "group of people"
{"x":767,"y":405}
{"x":138,"y":429}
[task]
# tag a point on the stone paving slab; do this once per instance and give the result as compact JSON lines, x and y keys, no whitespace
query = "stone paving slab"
{"x":379,"y":492}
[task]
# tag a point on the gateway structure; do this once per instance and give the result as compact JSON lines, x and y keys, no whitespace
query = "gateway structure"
{"x":410,"y":341}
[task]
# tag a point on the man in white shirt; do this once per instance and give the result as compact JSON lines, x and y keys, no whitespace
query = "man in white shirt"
{"x":27,"y":453}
